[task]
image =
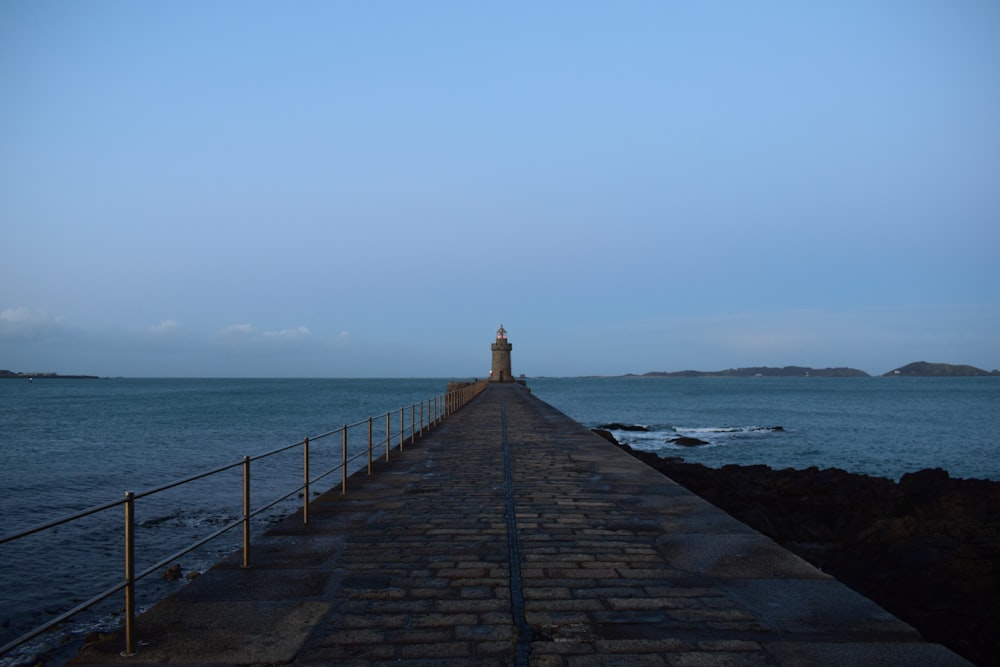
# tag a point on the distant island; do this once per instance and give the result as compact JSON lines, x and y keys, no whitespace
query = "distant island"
{"x":915,"y":369}
{"x":925,"y":369}
{"x":11,"y":375}
{"x":760,"y":371}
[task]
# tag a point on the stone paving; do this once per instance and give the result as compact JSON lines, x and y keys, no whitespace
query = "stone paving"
{"x":511,"y":535}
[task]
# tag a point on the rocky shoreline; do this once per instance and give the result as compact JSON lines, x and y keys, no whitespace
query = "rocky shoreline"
{"x":927,"y":548}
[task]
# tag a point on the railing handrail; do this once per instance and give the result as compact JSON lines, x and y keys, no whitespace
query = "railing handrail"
{"x":54,"y":523}
{"x":449,"y":403}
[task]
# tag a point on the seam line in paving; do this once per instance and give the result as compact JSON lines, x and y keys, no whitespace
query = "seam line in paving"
{"x":522,"y":649}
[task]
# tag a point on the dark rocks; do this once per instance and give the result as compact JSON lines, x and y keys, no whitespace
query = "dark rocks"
{"x":687,"y":441}
{"x":605,"y":434}
{"x":927,"y":549}
{"x":615,"y":426}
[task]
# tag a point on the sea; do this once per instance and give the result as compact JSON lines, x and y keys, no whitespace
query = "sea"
{"x":71,"y":444}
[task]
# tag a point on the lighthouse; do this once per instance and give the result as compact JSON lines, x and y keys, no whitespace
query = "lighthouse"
{"x":500,"y":370}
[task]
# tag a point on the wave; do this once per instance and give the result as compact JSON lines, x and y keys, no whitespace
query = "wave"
{"x":734,"y":429}
{"x":682,"y":438}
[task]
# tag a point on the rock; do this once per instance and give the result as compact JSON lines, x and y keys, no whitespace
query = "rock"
{"x":173,"y":573}
{"x":615,"y":426}
{"x":687,"y":441}
{"x":605,"y":434}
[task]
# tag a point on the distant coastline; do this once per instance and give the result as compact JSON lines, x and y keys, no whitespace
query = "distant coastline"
{"x":11,"y":375}
{"x":914,"y":369}
{"x":761,"y":371}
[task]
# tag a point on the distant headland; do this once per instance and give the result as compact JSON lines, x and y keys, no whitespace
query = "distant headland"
{"x":11,"y":375}
{"x":915,"y":369}
{"x":925,"y":369}
{"x":761,"y":371}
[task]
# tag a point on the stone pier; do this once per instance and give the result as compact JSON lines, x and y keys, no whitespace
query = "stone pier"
{"x":511,"y":535}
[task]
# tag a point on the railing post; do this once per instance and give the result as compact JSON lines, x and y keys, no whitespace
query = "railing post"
{"x":246,"y":512}
{"x":421,"y":419}
{"x":388,"y":433}
{"x":402,"y":427}
{"x":305,"y":481}
{"x":129,"y":574}
{"x":413,"y":423}
{"x":369,"y":446}
{"x":343,"y":464}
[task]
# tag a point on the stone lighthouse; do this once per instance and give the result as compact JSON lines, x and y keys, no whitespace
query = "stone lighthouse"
{"x":500,"y":370}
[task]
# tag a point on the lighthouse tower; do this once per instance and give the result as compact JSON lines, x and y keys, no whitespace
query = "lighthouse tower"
{"x":500,"y":370}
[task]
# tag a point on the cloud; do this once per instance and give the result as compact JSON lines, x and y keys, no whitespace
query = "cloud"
{"x":24,"y":323}
{"x":250,"y":332}
{"x":238,"y":330}
{"x":166,"y":326}
{"x":298,"y":332}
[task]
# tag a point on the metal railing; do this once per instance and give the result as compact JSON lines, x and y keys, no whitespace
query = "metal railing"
{"x":423,"y":417}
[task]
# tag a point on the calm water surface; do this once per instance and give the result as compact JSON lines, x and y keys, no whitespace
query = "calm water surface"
{"x":71,"y":444}
{"x":875,"y":426}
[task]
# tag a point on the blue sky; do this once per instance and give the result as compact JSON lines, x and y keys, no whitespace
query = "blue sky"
{"x":347,"y":189}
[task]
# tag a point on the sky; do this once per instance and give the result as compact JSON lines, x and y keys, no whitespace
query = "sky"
{"x":370,"y":189}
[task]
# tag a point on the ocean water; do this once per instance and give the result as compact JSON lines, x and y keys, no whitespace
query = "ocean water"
{"x":71,"y":444}
{"x":875,"y":426}
{"x":68,"y":445}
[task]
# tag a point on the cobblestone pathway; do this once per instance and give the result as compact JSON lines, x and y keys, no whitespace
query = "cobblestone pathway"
{"x":511,"y":535}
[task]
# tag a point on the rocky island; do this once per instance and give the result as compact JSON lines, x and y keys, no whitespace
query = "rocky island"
{"x":925,"y":369}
